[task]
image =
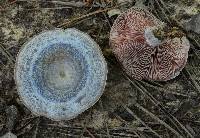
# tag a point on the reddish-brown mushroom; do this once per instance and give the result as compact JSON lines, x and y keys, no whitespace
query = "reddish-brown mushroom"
{"x":141,"y":53}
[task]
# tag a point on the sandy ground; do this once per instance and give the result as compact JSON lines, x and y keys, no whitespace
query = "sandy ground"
{"x":127,"y":108}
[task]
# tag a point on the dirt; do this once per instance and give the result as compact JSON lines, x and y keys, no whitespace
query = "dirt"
{"x":127,"y":108}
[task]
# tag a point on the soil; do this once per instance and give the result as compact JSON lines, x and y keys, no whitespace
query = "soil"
{"x":128,"y":108}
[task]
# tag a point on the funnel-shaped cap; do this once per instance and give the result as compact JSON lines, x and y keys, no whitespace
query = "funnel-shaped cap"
{"x":60,"y":73}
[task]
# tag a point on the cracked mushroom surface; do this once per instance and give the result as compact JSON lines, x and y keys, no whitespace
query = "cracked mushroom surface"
{"x":60,"y":73}
{"x":143,"y":55}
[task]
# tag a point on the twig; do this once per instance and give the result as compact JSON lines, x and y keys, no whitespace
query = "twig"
{"x":92,"y":136}
{"x":107,"y":130}
{"x":66,"y":3}
{"x":162,"y":10}
{"x":164,"y":89}
{"x":192,"y":80}
{"x":194,"y":40}
{"x":36,"y":129}
{"x":26,"y":124}
{"x":161,"y":1}
{"x":7,"y":54}
{"x":53,"y":8}
{"x":143,"y":123}
{"x":72,"y":4}
{"x":158,"y":104}
{"x":157,"y":119}
{"x":105,"y":16}
{"x":69,"y":22}
{"x":125,"y":122}
{"x":85,"y":125}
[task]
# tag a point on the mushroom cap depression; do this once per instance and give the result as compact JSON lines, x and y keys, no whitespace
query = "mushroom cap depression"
{"x":140,"y":53}
{"x":60,"y":73}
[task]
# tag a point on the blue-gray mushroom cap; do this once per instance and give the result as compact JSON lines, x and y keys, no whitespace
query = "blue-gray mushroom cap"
{"x":60,"y":73}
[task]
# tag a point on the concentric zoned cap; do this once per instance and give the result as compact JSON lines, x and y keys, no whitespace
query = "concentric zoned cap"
{"x":60,"y":73}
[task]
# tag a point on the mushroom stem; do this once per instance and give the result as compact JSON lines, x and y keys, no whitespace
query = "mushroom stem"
{"x":150,"y":37}
{"x":155,"y":35}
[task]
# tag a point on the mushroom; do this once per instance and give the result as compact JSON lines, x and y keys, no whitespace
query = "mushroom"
{"x":60,"y":73}
{"x":142,"y":53}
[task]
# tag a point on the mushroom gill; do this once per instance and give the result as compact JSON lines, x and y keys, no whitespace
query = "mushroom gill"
{"x":60,"y":73}
{"x":135,"y":41}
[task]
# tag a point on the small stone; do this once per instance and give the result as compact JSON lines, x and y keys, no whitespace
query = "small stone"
{"x":9,"y":135}
{"x":193,"y":24}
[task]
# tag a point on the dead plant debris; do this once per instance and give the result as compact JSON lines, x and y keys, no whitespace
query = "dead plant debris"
{"x":128,"y":108}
